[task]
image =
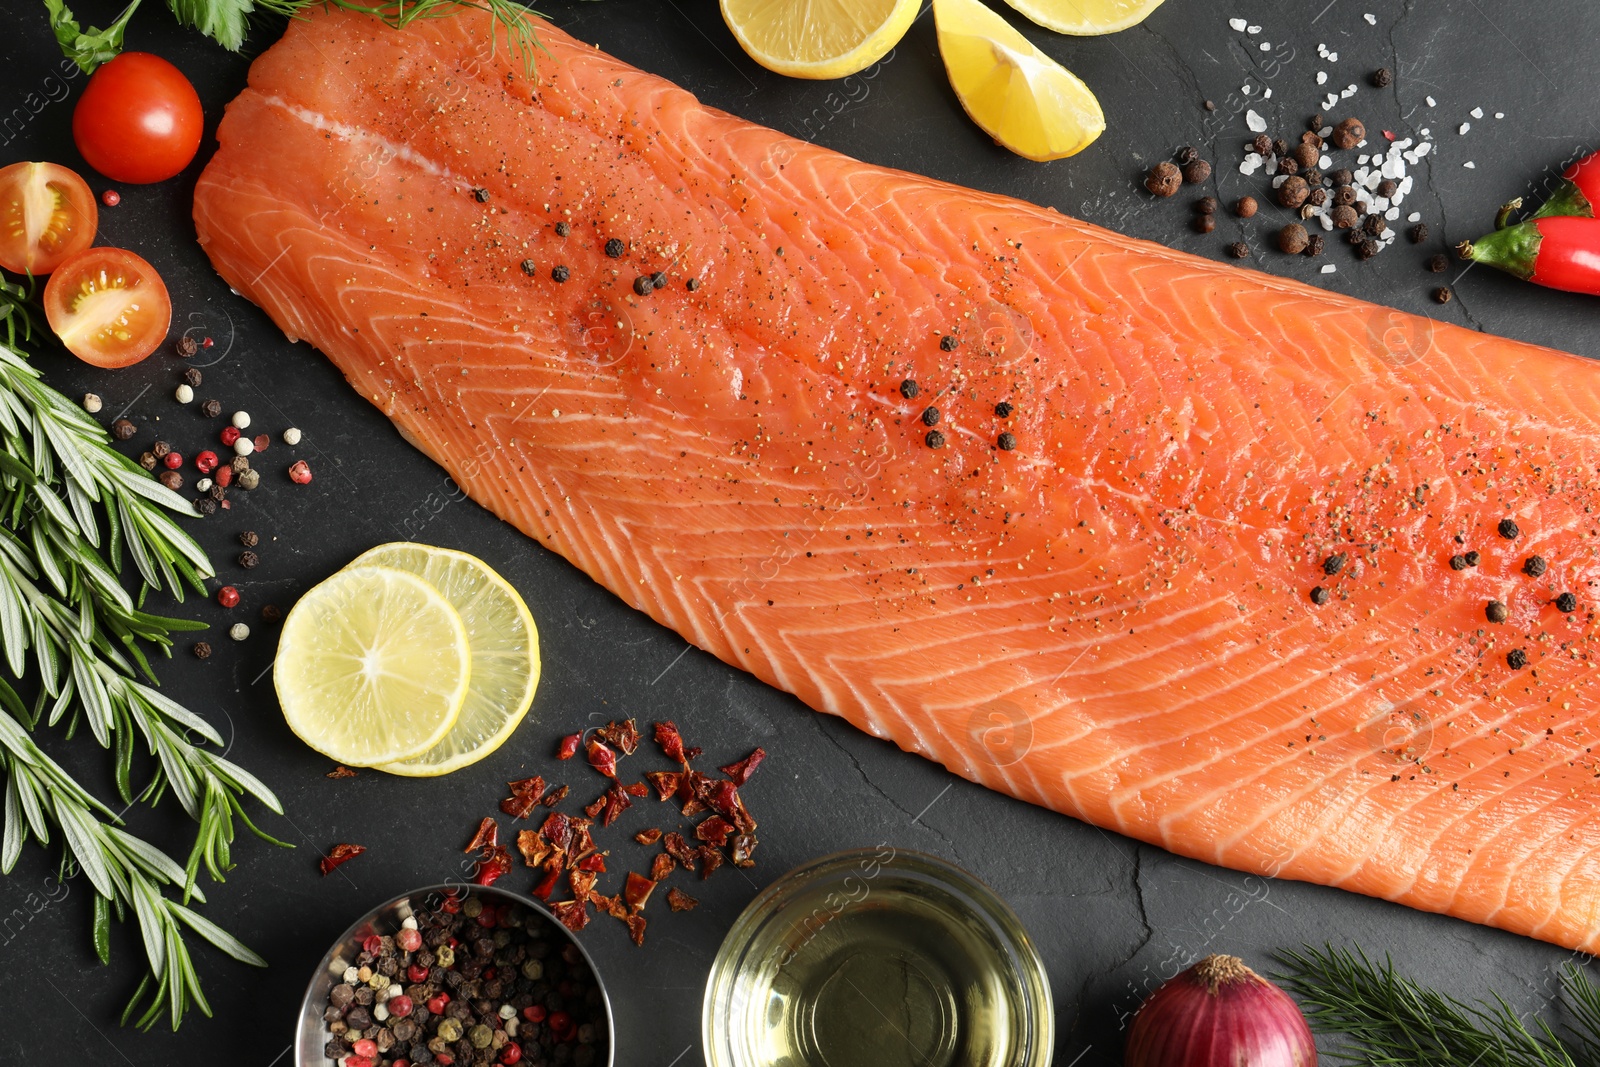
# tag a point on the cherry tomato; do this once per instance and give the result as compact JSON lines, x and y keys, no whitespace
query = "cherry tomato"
{"x":139,"y":121}
{"x":108,"y":306}
{"x":47,"y":213}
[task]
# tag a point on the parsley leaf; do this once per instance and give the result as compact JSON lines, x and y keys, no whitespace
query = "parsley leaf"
{"x":92,"y":47}
{"x":224,"y":21}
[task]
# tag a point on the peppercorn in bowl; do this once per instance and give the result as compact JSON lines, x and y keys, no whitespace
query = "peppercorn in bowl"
{"x":456,"y":976}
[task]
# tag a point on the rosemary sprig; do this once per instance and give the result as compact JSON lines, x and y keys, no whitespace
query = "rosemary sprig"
{"x":1391,"y":1021}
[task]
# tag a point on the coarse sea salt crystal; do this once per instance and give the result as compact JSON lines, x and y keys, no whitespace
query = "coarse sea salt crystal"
{"x":1423,"y":148}
{"x":1432,"y":102}
{"x":1392,"y":214}
{"x":1372,"y":20}
{"x":1349,"y":91}
{"x":1476,"y":112}
{"x":1465,"y":126}
{"x":1322,"y":77}
{"x":1470,"y":165}
{"x":1256,"y":123}
{"x":1266,"y":46}
{"x":1266,"y":94}
{"x":1415,"y":216}
{"x":1279,"y":180}
{"x":1252,"y":30}
{"x":1499,"y":114}
{"x":1331,"y":99}
{"x":1247,"y":89}
{"x":1324,"y":162}
{"x":1237,"y":24}
{"x":1328,"y":268}
{"x":1327,"y":222}
{"x":1333,"y":57}
{"x":1325,"y":132}
{"x":1251,"y":164}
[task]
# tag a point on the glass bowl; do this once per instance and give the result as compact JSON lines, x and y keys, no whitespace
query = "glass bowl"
{"x":878,"y":957}
{"x":312,"y":1032}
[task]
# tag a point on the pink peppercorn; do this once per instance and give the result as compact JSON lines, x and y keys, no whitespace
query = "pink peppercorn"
{"x":373,"y":944}
{"x":262,"y":441}
{"x":230,"y":434}
{"x":417,"y":973}
{"x":357,"y":1061}
{"x":408,"y":940}
{"x":228,"y":597}
{"x":437,"y":1004}
{"x":224,"y":476}
{"x":534,"y":1013}
{"x":172,"y":461}
{"x":300,"y":473}
{"x":510,"y":1054}
{"x":400,"y":1005}
{"x":365,"y":1047}
{"x":111,"y":198}
{"x":206,"y":461}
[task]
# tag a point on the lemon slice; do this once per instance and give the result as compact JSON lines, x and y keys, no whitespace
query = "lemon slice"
{"x":505,"y":652}
{"x":1086,"y":18}
{"x":1021,"y":97}
{"x":818,"y":38}
{"x":372,"y":666}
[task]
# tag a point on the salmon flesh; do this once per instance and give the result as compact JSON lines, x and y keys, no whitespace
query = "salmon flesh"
{"x":1043,"y":503}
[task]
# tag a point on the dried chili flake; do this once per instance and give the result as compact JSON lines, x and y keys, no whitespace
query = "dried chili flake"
{"x":519,"y":807}
{"x":662,"y":866}
{"x":636,"y":925}
{"x":556,"y":796}
{"x":679,"y":849}
{"x":582,"y":842}
{"x":547,"y":884}
{"x":692,"y":754}
{"x":495,"y":863}
{"x":612,"y":906}
{"x":740,"y":772}
{"x":637,"y":890}
{"x":710,"y":860}
{"x":526,"y":786}
{"x":597,"y":805}
{"x":569,"y":746}
{"x":742,"y":817}
{"x":666,"y":783}
{"x":602,"y":759}
{"x":341,"y":771}
{"x":636,"y":789}
{"x":714,"y":830}
{"x":557,"y":830}
{"x":581,"y":882}
{"x":616,"y":802}
{"x":721,"y":797}
{"x":621,"y":735}
{"x":670,"y":740}
{"x":594,"y":861}
{"x":573,"y":914}
{"x":743,"y":847}
{"x":488,"y":835}
{"x":678,"y":900}
{"x":339,"y":854}
{"x":648,"y":837}
{"x":534,"y":848}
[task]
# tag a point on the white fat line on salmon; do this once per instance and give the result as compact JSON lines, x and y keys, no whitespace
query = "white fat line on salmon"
{"x":357,"y":135}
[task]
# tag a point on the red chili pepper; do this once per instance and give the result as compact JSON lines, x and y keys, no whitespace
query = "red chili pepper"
{"x":488,"y":835}
{"x":1579,"y":192}
{"x":495,"y":864}
{"x":340,"y":854}
{"x":602,"y":759}
{"x":569,"y":746}
{"x":547,"y":884}
{"x":740,"y":772}
{"x":1557,"y":252}
{"x":670,"y":740}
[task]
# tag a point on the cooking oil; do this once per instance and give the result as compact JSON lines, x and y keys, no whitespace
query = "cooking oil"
{"x":892,"y":970}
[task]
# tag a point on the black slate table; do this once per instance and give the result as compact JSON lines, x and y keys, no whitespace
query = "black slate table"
{"x":1110,"y":916}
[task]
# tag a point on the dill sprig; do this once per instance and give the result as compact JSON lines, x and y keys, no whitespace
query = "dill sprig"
{"x":1389,"y":1020}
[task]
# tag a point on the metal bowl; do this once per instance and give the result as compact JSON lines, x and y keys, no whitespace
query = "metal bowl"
{"x":312,"y":1034}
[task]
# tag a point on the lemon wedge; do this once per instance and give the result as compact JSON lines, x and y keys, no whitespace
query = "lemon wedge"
{"x":372,"y":666}
{"x":1086,"y":18}
{"x":818,"y":38}
{"x":504,"y":646}
{"x":1021,"y":97}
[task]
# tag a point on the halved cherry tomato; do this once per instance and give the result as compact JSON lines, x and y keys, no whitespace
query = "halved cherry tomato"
{"x":108,"y":306}
{"x":139,"y":120}
{"x":47,"y":213}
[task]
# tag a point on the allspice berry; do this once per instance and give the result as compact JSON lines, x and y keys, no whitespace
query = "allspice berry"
{"x":1375,"y":225}
{"x":1306,"y":154}
{"x":123,"y":429}
{"x":1164,"y":179}
{"x":1245,"y":207}
{"x":1206,"y":205}
{"x":1196,"y":172}
{"x":1239,"y":250}
{"x":1344,"y":217}
{"x":1382,"y":78}
{"x":1387,"y":188}
{"x":1292,"y":239}
{"x":1439,"y":263}
{"x":1344,"y":194}
{"x":1293,"y":193}
{"x":1418,"y":233}
{"x":1349,"y":133}
{"x":1204,"y":223}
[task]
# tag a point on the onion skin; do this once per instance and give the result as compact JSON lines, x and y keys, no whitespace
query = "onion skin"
{"x":1220,"y":1013}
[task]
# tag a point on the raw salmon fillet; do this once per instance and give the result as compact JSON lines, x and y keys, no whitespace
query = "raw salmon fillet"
{"x":1100,"y":602}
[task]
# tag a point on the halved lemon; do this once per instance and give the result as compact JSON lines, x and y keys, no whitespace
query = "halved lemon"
{"x":504,"y":645}
{"x":1086,"y":18}
{"x":372,"y":666}
{"x":1021,"y":97}
{"x":818,"y":38}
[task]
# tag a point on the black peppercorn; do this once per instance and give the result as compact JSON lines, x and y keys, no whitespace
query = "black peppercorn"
{"x":1367,"y":249}
{"x":1508,"y":529}
{"x":910,"y":389}
{"x":1458,"y":563}
{"x":249,"y":539}
{"x":160,"y":448}
{"x":1375,"y":225}
{"x":1280,"y":147}
{"x":148,"y":461}
{"x":1516,"y":659}
{"x":1262,"y":145}
{"x":1473,"y":559}
{"x":1239,"y":250}
{"x":201,"y":650}
{"x":1496,"y":611}
{"x":528,"y":267}
{"x":643,"y":285}
{"x":1439,"y":263}
{"x":171,"y":479}
{"x":692,"y":284}
{"x":1534,"y":566}
{"x":1004,"y":409}
{"x":1319,"y":595}
{"x":1314,"y":244}
{"x":659,"y":279}
{"x":1381,"y":78}
{"x":615,"y":247}
{"x":481,"y":195}
{"x":248,"y":560}
{"x":206,"y":506}
{"x":948,"y":343}
{"x":1006,"y":441}
{"x":271,"y":613}
{"x":211,"y":408}
{"x":219,"y":493}
{"x":123,"y":429}
{"x":560,"y":273}
{"x":563,"y":229}
{"x":187,"y":346}
{"x":1334,"y":563}
{"x":1566,"y":603}
{"x":1441,"y":295}
{"x":935,"y":439}
{"x":930,"y":416}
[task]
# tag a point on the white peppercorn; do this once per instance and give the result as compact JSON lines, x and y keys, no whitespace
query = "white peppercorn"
{"x":92,"y":403}
{"x":239,"y":631}
{"x":241,"y":420}
{"x":183,"y":394}
{"x":291,"y":436}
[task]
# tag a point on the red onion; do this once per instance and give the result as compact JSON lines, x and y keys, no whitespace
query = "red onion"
{"x":1220,"y":1013}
